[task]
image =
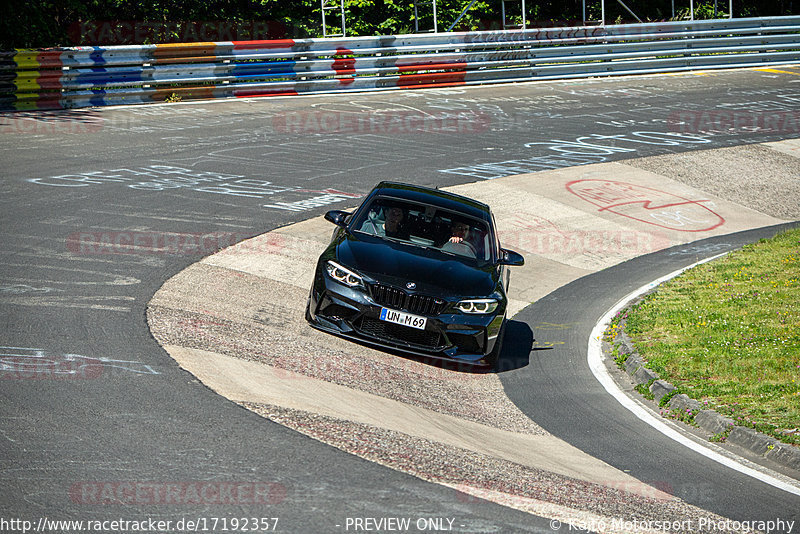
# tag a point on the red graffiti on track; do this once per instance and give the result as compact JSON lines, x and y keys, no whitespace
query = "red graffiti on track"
{"x":647,"y":205}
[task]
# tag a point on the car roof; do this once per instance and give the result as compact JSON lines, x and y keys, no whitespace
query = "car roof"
{"x":436,"y":197}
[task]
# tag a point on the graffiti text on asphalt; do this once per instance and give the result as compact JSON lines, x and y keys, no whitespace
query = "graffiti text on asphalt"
{"x":163,"y":177}
{"x":35,"y":363}
{"x":167,"y":177}
{"x":329,"y":196}
{"x":583,"y":150}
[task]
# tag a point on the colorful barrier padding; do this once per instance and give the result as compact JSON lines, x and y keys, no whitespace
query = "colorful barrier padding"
{"x":101,"y":76}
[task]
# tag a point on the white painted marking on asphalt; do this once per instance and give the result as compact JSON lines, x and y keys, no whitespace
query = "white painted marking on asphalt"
{"x":596,"y":364}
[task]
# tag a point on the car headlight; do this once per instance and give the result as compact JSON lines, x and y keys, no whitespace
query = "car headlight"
{"x":477,"y":306}
{"x":342,"y":275}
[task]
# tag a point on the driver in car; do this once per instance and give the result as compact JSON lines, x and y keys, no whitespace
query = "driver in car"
{"x":460,"y":231}
{"x":461,"y":241}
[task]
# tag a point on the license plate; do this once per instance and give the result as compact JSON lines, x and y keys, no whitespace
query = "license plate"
{"x":403,"y":318}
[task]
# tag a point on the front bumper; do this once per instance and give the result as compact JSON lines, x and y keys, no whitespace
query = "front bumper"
{"x":354,"y":313}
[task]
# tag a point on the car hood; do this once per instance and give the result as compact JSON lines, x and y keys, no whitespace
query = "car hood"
{"x":431,"y":270}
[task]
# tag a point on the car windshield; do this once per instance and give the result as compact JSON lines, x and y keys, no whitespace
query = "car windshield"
{"x":427,"y":226}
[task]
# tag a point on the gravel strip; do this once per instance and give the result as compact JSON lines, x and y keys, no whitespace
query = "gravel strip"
{"x":474,"y":397}
{"x":456,"y":467}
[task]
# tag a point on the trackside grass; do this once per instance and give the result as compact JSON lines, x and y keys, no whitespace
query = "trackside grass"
{"x":727,"y":333}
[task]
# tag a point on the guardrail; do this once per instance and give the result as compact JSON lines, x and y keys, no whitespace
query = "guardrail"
{"x":99,"y":76}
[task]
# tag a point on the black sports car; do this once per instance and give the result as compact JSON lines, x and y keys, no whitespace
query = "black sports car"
{"x":415,"y":269}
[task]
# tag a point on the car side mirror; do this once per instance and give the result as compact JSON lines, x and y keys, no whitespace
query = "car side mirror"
{"x":337,"y":217}
{"x":509,"y":257}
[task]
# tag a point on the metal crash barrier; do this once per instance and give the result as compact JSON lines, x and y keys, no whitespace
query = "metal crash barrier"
{"x":100,"y":76}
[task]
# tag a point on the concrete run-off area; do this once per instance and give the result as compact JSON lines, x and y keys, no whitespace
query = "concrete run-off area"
{"x":235,"y":320}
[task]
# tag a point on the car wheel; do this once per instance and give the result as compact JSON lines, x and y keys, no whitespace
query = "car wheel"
{"x":493,"y":357}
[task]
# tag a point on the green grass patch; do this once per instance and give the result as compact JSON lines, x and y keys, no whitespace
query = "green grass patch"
{"x":615,"y":328}
{"x":686,"y":416}
{"x":644,"y":390}
{"x":728,"y":333}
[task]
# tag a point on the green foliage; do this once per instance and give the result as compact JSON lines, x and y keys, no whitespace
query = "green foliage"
{"x":668,"y":397}
{"x":685,"y":416}
{"x":704,"y":12}
{"x":644,"y":389}
{"x":48,"y":23}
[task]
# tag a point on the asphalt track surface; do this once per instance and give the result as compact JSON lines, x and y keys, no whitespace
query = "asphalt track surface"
{"x":92,"y":404}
